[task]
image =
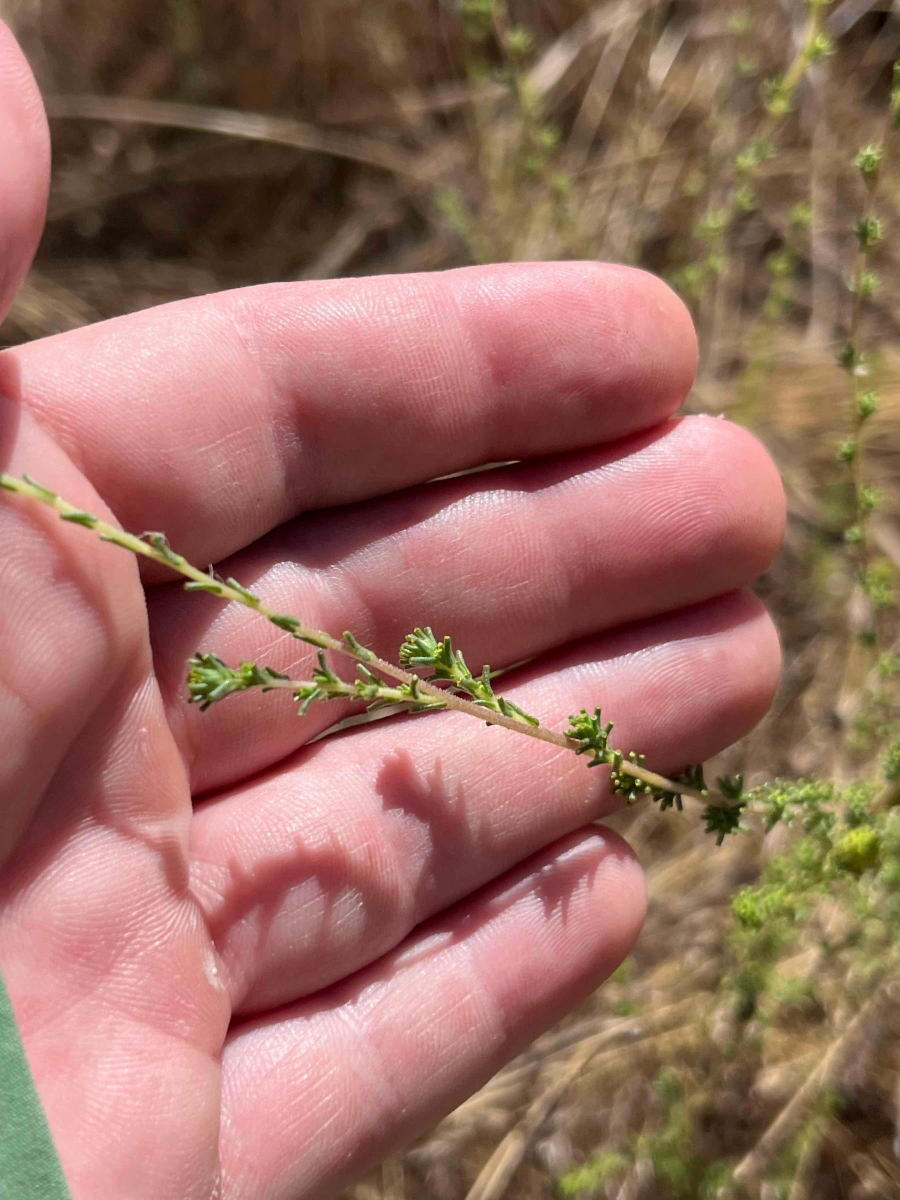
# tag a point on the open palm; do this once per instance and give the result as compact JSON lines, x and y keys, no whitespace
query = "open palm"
{"x":257,"y":993}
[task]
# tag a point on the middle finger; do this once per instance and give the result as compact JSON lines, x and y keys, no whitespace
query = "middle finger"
{"x":512,"y":563}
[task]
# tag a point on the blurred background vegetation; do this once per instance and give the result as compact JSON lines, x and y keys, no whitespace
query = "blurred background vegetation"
{"x":204,"y":144}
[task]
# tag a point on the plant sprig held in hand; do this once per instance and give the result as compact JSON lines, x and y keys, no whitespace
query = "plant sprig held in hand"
{"x":448,"y":682}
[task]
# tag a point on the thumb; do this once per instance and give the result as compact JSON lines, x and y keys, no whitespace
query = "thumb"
{"x":24,"y":180}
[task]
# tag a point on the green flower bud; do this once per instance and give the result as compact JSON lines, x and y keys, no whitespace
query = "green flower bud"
{"x":866,"y":404}
{"x":802,"y":215}
{"x":820,"y":47}
{"x":868,"y":499}
{"x":858,"y":850}
{"x":868,"y":162}
{"x":869,"y":231}
{"x":890,"y":764}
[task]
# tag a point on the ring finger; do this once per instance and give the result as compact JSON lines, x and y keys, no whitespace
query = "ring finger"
{"x":311,"y":872}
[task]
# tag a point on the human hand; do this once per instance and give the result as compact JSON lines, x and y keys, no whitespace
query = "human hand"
{"x":256,"y":994}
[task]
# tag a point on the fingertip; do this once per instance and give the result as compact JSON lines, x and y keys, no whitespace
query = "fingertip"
{"x":612,"y":345}
{"x":737,"y":496}
{"x":734,"y":642}
{"x":664,"y":336}
{"x":759,"y":654}
{"x":744,"y":670}
{"x":25,"y":153}
{"x":621,"y":891}
{"x":599,"y":876}
{"x":763,"y":482}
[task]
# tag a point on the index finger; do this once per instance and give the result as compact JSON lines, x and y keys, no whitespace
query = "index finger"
{"x":218,"y":418}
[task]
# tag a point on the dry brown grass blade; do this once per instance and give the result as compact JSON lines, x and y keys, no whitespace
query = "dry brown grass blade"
{"x":498,"y":1171}
{"x":598,"y":94}
{"x":43,"y":306}
{"x":807,"y":1168}
{"x":412,"y":103}
{"x":855,"y":1151}
{"x":604,"y":1034}
{"x":785,"y":1126}
{"x":558,"y":59}
{"x":335,"y":256}
{"x":393,"y":1181}
{"x":846,"y":15}
{"x":260,"y":127}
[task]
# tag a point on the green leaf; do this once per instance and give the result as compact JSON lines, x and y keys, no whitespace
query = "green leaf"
{"x":731,"y":787}
{"x":285,"y":622}
{"x":357,"y":649}
{"x":252,"y":600}
{"x":48,"y":496}
{"x":80,"y":518}
{"x":723,"y":820}
{"x":160,"y":544}
{"x":194,"y":585}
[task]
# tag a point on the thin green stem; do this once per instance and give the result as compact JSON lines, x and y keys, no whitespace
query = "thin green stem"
{"x":153,"y":546}
{"x":719,"y":220}
{"x":864,"y":402}
{"x":871,"y":584}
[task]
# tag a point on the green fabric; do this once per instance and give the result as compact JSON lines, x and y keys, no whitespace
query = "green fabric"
{"x":29,"y":1165}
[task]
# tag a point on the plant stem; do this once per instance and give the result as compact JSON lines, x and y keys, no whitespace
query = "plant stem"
{"x":869,"y":587}
{"x":717,"y":225}
{"x":855,"y":366}
{"x":153,"y":546}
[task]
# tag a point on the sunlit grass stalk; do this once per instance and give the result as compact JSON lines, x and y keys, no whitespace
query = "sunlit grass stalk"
{"x":781,"y":268}
{"x":717,"y":224}
{"x":873,"y":578}
{"x":211,"y":680}
{"x":782,"y":265}
{"x":778,"y":99}
{"x":869,"y":232}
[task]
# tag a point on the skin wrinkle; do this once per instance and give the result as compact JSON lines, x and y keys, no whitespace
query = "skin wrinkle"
{"x":132,"y":750}
{"x":87,"y":1001}
{"x":239,"y":1081}
{"x":383,"y":1089}
{"x":368,"y":1082}
{"x":520,"y":551}
{"x":101,"y":688}
{"x":165,"y":833}
{"x":448,"y":373}
{"x":245,"y":322}
{"x":479,"y":375}
{"x":76,"y":925}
